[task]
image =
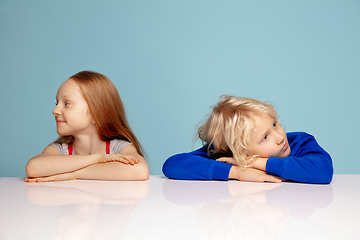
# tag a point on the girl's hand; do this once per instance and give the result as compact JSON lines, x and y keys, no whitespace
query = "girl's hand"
{"x":125,"y":159}
{"x":252,"y":175}
{"x":228,"y":160}
{"x":58,"y":177}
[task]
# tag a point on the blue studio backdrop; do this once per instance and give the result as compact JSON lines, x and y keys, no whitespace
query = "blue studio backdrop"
{"x":172,"y":60}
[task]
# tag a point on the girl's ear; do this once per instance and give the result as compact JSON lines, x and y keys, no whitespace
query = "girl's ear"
{"x":93,"y":120}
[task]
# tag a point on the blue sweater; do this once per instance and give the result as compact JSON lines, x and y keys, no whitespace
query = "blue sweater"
{"x":307,"y":163}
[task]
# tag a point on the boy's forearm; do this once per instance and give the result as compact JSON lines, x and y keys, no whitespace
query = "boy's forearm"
{"x":309,"y":169}
{"x":251,"y":175}
{"x":259,"y":163}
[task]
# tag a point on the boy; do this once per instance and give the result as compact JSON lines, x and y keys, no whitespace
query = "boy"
{"x":245,"y":138}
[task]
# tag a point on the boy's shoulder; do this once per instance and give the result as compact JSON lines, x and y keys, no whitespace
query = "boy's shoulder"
{"x":299,"y":136}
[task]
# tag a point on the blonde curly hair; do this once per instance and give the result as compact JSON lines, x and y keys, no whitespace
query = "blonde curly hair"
{"x":229,"y":128}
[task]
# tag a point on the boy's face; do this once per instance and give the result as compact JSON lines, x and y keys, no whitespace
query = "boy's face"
{"x":269,"y":139}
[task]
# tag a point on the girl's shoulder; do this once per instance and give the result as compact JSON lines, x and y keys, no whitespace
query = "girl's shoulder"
{"x":116,"y":145}
{"x":61,"y":147}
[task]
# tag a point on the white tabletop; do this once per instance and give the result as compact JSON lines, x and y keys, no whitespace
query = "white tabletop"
{"x":171,"y":209}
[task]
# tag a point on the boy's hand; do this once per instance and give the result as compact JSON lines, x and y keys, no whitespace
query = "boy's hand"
{"x":252,"y":175}
{"x":258,"y":163}
{"x":228,"y":160}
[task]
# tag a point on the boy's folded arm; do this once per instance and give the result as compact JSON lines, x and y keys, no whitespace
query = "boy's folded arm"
{"x":198,"y":166}
{"x":310,"y":168}
{"x":307,"y":163}
{"x":195,"y":166}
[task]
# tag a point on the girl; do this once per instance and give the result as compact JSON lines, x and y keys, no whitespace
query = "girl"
{"x":95,"y":140}
{"x":248,"y":143}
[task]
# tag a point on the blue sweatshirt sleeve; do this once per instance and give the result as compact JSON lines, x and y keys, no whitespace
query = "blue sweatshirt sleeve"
{"x":307,"y":162}
{"x":195,"y":165}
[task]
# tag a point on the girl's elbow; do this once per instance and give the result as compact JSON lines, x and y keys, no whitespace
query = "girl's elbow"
{"x":142,"y":173}
{"x":33,"y":168}
{"x":145,"y":175}
{"x":30,"y":170}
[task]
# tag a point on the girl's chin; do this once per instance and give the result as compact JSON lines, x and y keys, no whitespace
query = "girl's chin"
{"x":62,"y":134}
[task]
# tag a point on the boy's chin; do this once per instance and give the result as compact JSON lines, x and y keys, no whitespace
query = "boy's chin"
{"x":282,"y":155}
{"x":285,"y":154}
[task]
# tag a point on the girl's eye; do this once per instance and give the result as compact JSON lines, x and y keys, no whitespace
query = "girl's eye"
{"x":56,"y":103}
{"x":274,"y":124}
{"x":265,"y":137}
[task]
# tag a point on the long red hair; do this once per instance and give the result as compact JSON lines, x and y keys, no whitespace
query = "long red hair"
{"x":105,"y":107}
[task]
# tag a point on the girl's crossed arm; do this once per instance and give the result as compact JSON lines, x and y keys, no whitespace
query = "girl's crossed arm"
{"x":51,"y":166}
{"x":112,"y":170}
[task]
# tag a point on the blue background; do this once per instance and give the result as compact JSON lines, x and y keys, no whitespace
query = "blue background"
{"x":172,"y":60}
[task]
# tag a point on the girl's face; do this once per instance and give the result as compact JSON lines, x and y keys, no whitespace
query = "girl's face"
{"x":269,"y":139}
{"x":72,"y":112}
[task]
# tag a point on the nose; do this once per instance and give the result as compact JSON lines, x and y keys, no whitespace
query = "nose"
{"x":279,"y":139}
{"x":56,"y":111}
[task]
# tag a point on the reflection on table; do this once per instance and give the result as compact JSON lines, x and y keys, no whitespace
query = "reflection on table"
{"x":162,"y":208}
{"x":239,"y":210}
{"x":89,"y":209}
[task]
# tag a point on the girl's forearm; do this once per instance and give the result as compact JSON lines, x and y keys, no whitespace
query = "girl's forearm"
{"x":115,"y":171}
{"x":51,"y":164}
